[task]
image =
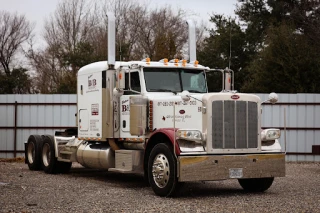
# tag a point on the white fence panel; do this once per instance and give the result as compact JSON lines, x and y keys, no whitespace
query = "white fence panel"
{"x":35,"y":114}
{"x":302,"y":123}
{"x":44,"y":114}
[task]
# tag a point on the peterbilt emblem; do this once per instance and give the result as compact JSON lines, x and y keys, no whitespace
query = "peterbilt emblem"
{"x":182,"y":112}
{"x":235,"y":97}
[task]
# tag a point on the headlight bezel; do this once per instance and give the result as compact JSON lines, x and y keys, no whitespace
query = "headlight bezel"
{"x":270,"y":134}
{"x":190,"y":135}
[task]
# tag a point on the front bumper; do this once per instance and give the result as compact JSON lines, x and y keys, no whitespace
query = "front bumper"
{"x":217,"y":167}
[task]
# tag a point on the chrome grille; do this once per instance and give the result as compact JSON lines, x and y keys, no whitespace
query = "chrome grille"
{"x":234,"y":125}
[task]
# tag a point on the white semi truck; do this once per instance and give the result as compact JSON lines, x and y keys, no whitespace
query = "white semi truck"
{"x":157,"y":118}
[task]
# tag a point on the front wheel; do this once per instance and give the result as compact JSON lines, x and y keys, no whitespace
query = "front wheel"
{"x":162,"y":170}
{"x":256,"y":184}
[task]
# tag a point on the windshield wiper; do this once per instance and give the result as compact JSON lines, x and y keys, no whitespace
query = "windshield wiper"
{"x":162,"y":90}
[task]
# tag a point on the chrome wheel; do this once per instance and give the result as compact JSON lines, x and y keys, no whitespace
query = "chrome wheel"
{"x":31,"y":151}
{"x":46,"y":154}
{"x":160,"y":170}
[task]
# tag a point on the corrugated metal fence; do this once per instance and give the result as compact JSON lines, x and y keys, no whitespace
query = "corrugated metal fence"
{"x":23,"y":115}
{"x":302,"y":124}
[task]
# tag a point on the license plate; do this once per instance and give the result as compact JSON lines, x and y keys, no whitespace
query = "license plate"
{"x":235,"y":173}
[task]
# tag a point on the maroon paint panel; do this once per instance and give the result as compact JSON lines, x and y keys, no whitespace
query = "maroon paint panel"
{"x":169,"y":132}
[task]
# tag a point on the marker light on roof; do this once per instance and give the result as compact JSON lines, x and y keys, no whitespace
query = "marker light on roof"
{"x":196,"y":63}
{"x":165,"y":61}
{"x":184,"y":62}
{"x":176,"y":61}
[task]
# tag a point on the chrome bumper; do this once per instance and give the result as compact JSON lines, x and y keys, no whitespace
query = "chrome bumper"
{"x":217,"y":167}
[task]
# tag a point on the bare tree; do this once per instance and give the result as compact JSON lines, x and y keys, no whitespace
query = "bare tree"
{"x":201,"y":35}
{"x":68,"y":33}
{"x":47,"y":65}
{"x":146,"y":32}
{"x":14,"y":30}
{"x":129,"y":17}
{"x":163,"y":33}
{"x":70,"y":25}
{"x":76,"y":35}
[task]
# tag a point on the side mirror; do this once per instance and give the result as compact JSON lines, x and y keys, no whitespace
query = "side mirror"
{"x":185,"y":95}
{"x":118,"y":92}
{"x":120,"y":79}
{"x":227,"y":81}
{"x":273,"y":98}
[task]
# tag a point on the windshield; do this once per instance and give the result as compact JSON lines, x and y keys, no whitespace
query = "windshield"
{"x":174,"y":80}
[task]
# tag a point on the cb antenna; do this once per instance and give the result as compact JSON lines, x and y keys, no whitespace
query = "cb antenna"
{"x":230,"y":42}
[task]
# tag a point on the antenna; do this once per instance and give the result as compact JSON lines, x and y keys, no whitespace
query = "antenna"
{"x":230,"y":42}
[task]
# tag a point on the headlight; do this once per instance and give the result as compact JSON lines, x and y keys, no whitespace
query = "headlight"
{"x":192,"y":135}
{"x":270,"y":134}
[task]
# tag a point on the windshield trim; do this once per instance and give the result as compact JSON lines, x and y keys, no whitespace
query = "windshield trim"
{"x":179,"y":70}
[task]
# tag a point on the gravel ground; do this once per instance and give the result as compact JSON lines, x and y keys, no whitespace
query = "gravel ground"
{"x":84,"y":190}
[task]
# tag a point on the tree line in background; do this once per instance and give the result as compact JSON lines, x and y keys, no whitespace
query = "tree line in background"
{"x":274,"y":44}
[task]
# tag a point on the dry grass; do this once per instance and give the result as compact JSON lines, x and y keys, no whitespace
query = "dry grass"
{"x":12,"y":160}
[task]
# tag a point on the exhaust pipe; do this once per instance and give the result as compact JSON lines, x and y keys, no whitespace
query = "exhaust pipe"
{"x":192,"y":41}
{"x":111,"y":39}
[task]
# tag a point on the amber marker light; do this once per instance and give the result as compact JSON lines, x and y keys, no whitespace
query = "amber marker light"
{"x":148,"y":61}
{"x":165,"y":61}
{"x":184,"y":63}
{"x":176,"y":61}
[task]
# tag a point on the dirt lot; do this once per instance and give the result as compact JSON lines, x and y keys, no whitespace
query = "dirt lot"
{"x":84,"y":190}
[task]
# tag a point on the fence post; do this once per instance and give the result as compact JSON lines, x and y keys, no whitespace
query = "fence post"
{"x":15,"y":129}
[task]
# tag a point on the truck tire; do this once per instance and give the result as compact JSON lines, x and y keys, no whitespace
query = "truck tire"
{"x":49,"y":162}
{"x":33,"y":152}
{"x":162,"y":170}
{"x":63,"y":167}
{"x":256,"y":184}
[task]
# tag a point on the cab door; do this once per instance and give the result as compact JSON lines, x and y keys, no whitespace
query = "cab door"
{"x":134,"y":88}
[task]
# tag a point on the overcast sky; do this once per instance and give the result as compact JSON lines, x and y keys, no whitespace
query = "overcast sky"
{"x":37,"y":10}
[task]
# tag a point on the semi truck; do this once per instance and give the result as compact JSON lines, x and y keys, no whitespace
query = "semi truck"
{"x":158,"y":119}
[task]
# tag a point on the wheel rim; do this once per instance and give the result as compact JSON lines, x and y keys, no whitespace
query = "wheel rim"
{"x":31,"y":152}
{"x":161,"y":170}
{"x":46,"y":154}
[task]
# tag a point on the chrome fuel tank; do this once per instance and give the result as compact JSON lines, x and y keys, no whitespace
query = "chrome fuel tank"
{"x":95,"y":156}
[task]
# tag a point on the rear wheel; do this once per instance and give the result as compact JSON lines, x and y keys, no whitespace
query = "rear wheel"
{"x":256,"y":184}
{"x":162,"y":171}
{"x":33,"y":152}
{"x":50,"y":164}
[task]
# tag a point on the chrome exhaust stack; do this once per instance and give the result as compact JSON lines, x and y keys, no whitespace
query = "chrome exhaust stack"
{"x":192,"y":41}
{"x":111,"y":39}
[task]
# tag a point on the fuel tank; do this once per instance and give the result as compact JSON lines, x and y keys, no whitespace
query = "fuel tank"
{"x":96,"y":156}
